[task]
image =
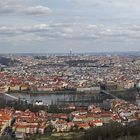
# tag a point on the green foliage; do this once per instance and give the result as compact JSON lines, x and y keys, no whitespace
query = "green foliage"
{"x":48,"y":130}
{"x":114,"y":131}
{"x":128,"y":95}
{"x":130,"y":138}
{"x":55,"y":109}
{"x":6,"y":138}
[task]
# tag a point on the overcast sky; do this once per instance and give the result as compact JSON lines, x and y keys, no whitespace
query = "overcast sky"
{"x":49,"y":26}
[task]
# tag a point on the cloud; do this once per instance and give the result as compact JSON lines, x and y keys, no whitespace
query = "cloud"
{"x":70,"y":31}
{"x":123,"y":3}
{"x":119,"y":6}
{"x":20,"y":7}
{"x":36,"y":10}
{"x":61,"y":37}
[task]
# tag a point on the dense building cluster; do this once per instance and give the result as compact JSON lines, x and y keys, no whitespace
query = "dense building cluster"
{"x":70,"y":72}
{"x":22,"y":123}
{"x":78,"y":73}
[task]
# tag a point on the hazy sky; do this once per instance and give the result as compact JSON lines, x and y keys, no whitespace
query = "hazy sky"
{"x":49,"y":26}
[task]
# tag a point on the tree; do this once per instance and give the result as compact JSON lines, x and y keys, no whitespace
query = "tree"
{"x":48,"y":130}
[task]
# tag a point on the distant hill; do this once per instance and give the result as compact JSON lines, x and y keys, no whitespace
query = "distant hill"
{"x":7,"y":61}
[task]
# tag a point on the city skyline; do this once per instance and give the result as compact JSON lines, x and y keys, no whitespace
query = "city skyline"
{"x":36,"y":26}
